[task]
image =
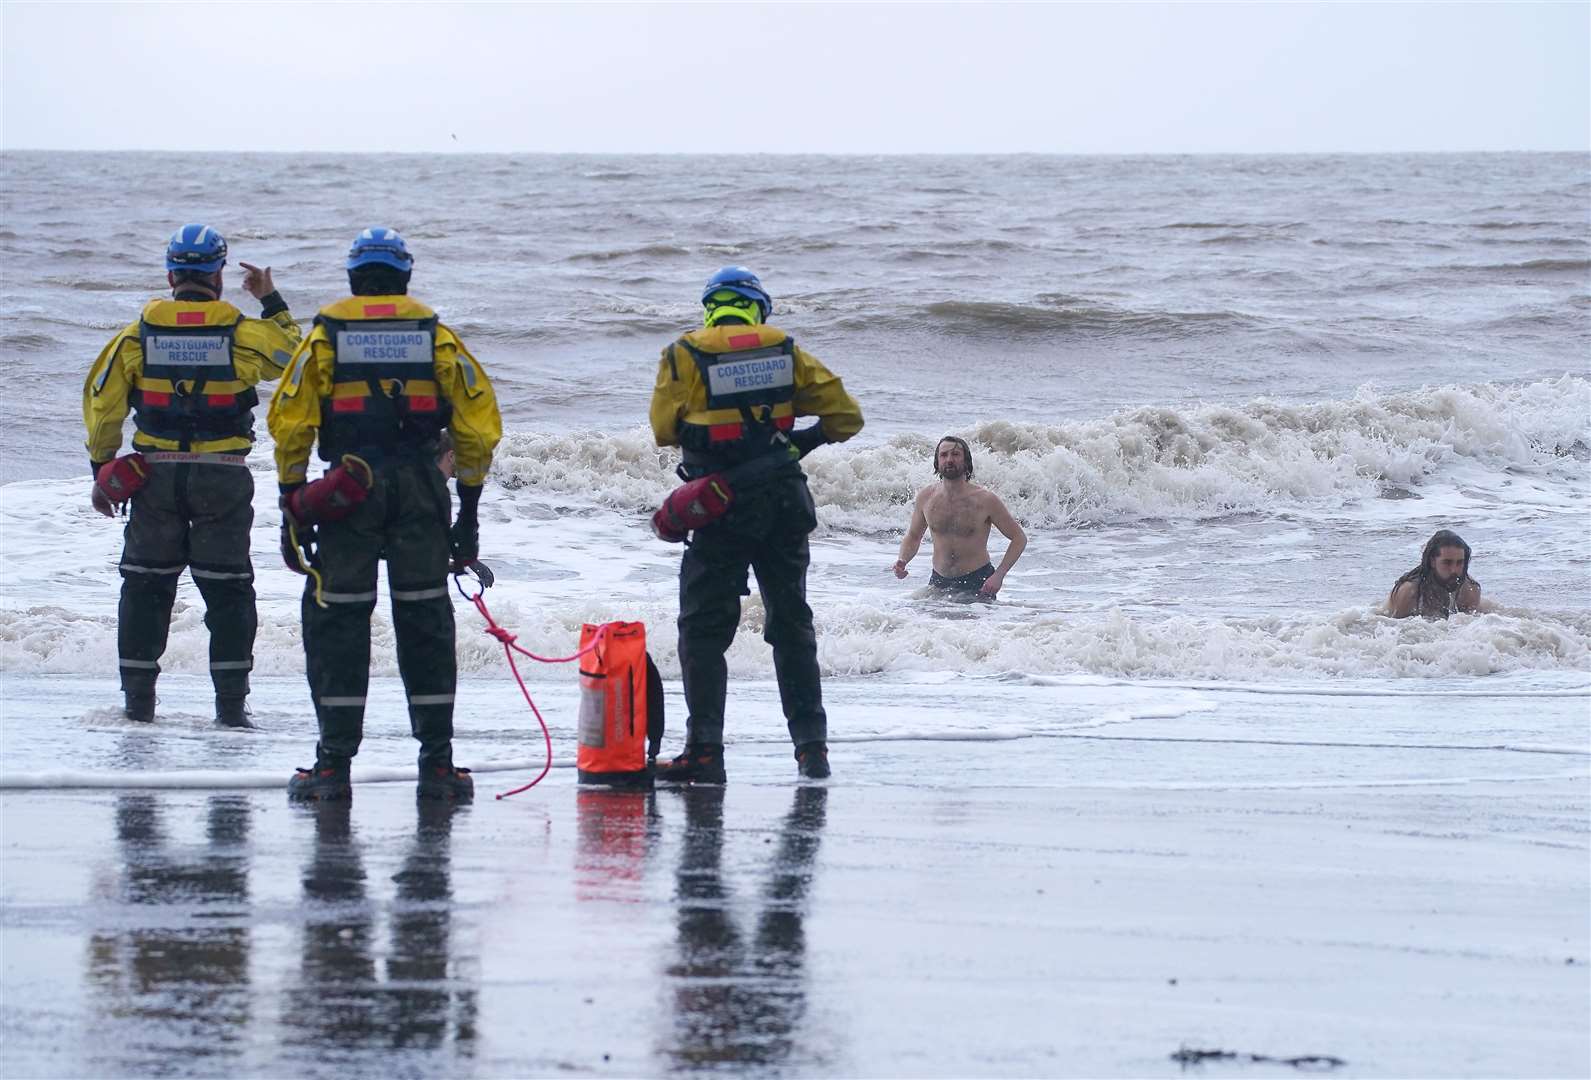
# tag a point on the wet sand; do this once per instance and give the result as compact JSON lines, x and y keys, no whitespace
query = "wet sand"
{"x":1032,"y":907}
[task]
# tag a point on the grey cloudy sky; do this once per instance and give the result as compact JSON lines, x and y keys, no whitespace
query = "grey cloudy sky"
{"x":907,"y":77}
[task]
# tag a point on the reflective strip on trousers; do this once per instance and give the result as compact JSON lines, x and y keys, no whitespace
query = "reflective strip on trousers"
{"x":420,"y":594}
{"x":333,"y":702}
{"x":431,"y":699}
{"x":231,"y":665}
{"x":133,"y":568}
{"x":143,"y":664}
{"x":348,"y":597}
{"x":223,"y":575}
{"x":183,"y":457}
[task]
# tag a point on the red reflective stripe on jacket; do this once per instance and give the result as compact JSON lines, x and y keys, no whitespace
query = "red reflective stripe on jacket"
{"x":190,"y":318}
{"x":221,"y":400}
{"x":380,"y":309}
{"x":744,"y":341}
{"x":422,"y":404}
{"x":731,"y":432}
{"x":348,"y":404}
{"x":155,"y":397}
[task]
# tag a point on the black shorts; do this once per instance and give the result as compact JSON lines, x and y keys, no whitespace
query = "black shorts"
{"x":967,"y":583}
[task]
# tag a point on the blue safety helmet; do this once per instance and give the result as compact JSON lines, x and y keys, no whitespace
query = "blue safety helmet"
{"x":741,"y":282}
{"x":378,"y":245}
{"x":196,"y":247}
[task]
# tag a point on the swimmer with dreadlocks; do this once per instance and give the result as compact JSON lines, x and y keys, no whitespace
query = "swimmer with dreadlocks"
{"x":959,"y":513}
{"x":1440,"y":585}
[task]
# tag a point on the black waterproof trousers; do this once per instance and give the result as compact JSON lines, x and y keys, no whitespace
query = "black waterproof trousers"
{"x":405,"y":522}
{"x":766,"y":531}
{"x":193,"y":515}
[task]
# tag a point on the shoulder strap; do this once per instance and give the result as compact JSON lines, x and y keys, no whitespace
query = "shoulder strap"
{"x":654,"y":710}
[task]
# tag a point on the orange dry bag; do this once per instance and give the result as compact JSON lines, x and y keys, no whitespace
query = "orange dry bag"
{"x":621,"y":707}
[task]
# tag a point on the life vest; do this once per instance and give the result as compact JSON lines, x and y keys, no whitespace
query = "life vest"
{"x":621,"y":707}
{"x":383,"y":395}
{"x":748,"y":382}
{"x":189,"y":388}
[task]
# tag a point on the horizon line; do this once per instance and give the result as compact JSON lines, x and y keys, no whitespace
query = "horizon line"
{"x":794,"y":153}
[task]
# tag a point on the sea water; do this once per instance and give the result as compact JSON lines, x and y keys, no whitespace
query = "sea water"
{"x":1227,"y":397}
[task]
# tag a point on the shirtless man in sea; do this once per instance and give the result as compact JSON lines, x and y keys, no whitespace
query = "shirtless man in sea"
{"x":1440,"y":585}
{"x":959,"y":513}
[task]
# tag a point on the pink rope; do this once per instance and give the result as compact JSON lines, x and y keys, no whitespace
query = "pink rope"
{"x":510,"y":647}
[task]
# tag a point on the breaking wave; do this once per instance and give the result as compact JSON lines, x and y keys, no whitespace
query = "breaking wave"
{"x":857,"y":639}
{"x":1158,"y":462}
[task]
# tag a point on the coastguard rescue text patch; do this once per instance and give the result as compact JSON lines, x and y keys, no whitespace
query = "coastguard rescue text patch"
{"x":187,"y":350}
{"x":750,"y":374}
{"x":384,"y":343}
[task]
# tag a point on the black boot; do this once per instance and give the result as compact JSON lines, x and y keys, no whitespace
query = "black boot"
{"x":812,"y":760}
{"x":701,"y":763}
{"x":231,"y":712}
{"x":140,"y":707}
{"x":445,"y":782}
{"x":327,"y":781}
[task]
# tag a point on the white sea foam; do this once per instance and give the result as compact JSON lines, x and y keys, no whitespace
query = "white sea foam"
{"x":1356,"y":643}
{"x":564,"y":520}
{"x":1194,"y":463}
{"x":865,"y":639}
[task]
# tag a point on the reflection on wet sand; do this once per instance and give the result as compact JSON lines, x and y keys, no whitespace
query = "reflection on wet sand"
{"x":342,"y":1009}
{"x":179,"y":977}
{"x":740,"y":1001}
{"x":618,"y":829}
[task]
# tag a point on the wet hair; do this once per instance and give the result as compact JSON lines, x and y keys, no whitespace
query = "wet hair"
{"x":966,"y":452}
{"x":1431,"y":594}
{"x":378,"y":279}
{"x":1444,"y":538}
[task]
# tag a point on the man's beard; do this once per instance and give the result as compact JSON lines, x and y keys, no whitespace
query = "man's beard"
{"x":951,"y":472}
{"x":1448,"y":583}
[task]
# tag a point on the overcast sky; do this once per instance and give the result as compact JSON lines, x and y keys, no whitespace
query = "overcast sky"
{"x":851,"y":78}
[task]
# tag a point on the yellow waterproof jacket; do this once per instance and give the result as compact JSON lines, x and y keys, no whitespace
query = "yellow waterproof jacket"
{"x":682,"y":412}
{"x":260,"y":349}
{"x":296,"y":415}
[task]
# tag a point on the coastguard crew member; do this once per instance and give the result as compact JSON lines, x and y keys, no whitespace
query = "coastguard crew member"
{"x":1440,"y":585}
{"x":187,"y":369}
{"x":728,"y":394}
{"x":381,"y":378}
